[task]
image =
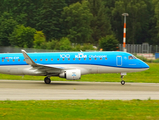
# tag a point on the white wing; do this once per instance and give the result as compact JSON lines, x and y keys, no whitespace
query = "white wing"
{"x":43,"y":68}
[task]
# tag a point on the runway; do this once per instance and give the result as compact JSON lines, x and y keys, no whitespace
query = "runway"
{"x":57,"y":90}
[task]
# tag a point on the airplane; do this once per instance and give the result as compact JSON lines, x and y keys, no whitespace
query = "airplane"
{"x":70,"y":65}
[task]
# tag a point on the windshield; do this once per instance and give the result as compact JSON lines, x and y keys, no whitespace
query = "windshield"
{"x":132,"y":57}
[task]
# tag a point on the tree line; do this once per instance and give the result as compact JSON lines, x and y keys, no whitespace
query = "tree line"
{"x":39,"y":23}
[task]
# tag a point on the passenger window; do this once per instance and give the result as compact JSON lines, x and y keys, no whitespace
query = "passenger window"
{"x":100,"y":58}
{"x":13,"y":60}
{"x":95,"y":58}
{"x":51,"y":59}
{"x":46,"y":59}
{"x":63,"y":59}
{"x":2,"y":60}
{"x":84,"y":58}
{"x":23,"y":59}
{"x":35,"y":59}
{"x":7,"y":60}
{"x":18,"y":60}
{"x":69,"y":59}
{"x":89,"y":58}
{"x":41,"y":59}
{"x":73,"y":58}
{"x":105,"y":58}
{"x":79,"y":58}
{"x":57,"y":59}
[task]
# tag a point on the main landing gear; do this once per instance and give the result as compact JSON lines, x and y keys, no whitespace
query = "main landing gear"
{"x":47,"y":80}
{"x":122,"y":81}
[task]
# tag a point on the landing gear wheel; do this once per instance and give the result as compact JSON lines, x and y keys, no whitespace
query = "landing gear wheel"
{"x":47,"y":80}
{"x":123,"y":82}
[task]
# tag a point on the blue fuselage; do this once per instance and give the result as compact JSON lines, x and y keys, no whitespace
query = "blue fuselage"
{"x":111,"y":59}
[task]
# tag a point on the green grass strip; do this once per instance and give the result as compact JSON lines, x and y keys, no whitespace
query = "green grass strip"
{"x":148,"y":76}
{"x":79,"y":110}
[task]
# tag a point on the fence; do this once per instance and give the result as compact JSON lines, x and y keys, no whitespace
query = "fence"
{"x":131,"y":48}
{"x":140,"y":48}
{"x":18,"y":50}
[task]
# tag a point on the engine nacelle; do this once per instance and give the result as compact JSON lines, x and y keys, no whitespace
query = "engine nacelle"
{"x":62,"y":75}
{"x":71,"y":74}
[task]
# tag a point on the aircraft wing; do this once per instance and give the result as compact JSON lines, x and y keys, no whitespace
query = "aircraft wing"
{"x":39,"y":66}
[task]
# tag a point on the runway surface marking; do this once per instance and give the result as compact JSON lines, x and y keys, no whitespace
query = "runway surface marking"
{"x":57,"y":90}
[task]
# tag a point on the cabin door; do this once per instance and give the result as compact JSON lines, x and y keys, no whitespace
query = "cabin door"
{"x":119,"y":60}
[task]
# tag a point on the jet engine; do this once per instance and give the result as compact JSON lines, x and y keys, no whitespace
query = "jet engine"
{"x":71,"y":74}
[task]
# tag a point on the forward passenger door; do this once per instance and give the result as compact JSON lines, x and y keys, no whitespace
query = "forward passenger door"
{"x":119,"y":60}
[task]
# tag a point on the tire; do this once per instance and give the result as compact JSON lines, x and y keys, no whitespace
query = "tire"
{"x":47,"y":80}
{"x":123,"y":82}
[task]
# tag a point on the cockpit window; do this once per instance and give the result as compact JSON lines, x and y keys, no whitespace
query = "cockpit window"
{"x":132,"y":57}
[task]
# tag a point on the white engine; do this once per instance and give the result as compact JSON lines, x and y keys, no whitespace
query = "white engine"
{"x":71,"y":74}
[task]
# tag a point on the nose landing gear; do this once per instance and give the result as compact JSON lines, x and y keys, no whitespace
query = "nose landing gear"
{"x":122,"y":81}
{"x":122,"y":76}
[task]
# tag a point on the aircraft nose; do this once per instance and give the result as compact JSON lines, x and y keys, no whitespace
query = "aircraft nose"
{"x":144,"y":65}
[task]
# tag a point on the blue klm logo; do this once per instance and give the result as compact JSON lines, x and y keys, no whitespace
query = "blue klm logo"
{"x":74,"y":75}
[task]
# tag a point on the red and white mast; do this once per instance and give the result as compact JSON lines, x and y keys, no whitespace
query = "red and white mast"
{"x":124,"y":35}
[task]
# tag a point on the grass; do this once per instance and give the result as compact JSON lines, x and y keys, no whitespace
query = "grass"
{"x":79,"y":110}
{"x":85,"y":109}
{"x":148,"y":76}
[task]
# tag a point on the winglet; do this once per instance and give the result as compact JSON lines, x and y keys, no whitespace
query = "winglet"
{"x":27,"y":58}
